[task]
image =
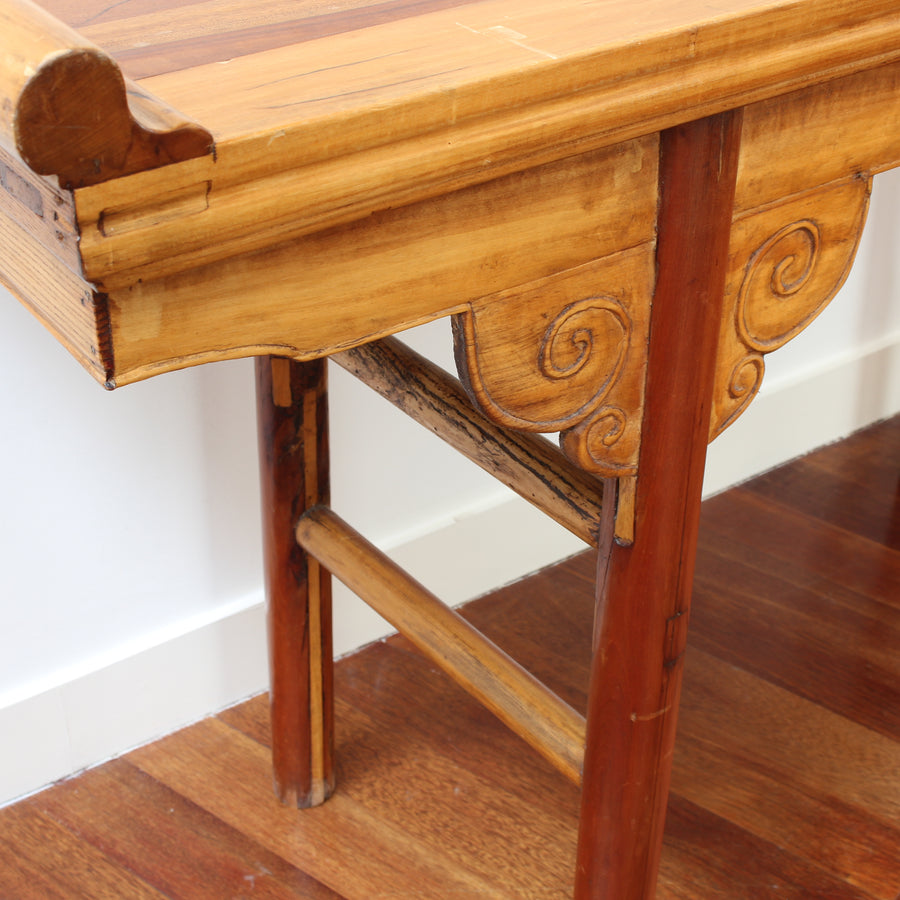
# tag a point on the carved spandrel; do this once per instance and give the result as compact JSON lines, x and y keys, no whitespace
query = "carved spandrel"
{"x":567,"y":354}
{"x":787,"y":261}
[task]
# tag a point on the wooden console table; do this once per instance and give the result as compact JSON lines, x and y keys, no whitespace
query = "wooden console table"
{"x":623,"y":207}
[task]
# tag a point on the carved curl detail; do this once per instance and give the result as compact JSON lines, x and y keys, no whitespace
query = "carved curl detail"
{"x":746,"y":378}
{"x":787,"y":261}
{"x":607,"y":426}
{"x":588,"y":342}
{"x":772,"y":305}
{"x":743,"y":385}
{"x":593,"y":332}
{"x":563,"y":355}
{"x":599,"y":443}
{"x":561,"y":378}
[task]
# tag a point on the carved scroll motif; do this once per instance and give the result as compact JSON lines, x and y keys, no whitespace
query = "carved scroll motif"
{"x":566,"y":354}
{"x":588,"y":337}
{"x":772,"y":305}
{"x":787,"y":262}
{"x":69,"y":111}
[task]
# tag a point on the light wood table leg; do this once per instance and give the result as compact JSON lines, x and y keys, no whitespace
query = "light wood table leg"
{"x":293,"y":452}
{"x":644,"y":593}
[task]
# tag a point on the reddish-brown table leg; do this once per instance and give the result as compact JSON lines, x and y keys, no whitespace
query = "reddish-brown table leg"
{"x":643,"y":603}
{"x":293,"y":453}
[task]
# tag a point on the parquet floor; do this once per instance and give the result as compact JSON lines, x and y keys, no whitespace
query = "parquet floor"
{"x":787,"y":773}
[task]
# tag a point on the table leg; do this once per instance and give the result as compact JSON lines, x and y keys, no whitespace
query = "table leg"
{"x":644,"y":592}
{"x":293,"y":453}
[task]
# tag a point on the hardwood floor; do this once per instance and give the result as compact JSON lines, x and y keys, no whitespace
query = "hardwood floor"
{"x":787,"y":770}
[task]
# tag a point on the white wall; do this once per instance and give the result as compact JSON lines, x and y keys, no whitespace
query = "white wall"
{"x":130,"y":578}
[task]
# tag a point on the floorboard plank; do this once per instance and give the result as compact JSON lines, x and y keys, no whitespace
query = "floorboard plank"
{"x":845,"y":484}
{"x":790,"y":772}
{"x":42,"y":860}
{"x":798,"y":741}
{"x":228,"y":774}
{"x":779,"y":537}
{"x":807,"y":825}
{"x":707,"y":856}
{"x":843,"y":657}
{"x":786,"y":780}
{"x":169,"y":842}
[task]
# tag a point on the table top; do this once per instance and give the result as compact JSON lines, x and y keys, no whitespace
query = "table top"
{"x":415,"y":65}
{"x":285,"y":84}
{"x":298,"y":177}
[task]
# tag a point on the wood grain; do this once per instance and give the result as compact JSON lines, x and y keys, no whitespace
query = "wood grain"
{"x":167,"y":37}
{"x":47,"y":860}
{"x":328,"y":841}
{"x":530,"y":466}
{"x":412,"y":161}
{"x":169,"y":842}
{"x":787,"y":261}
{"x":643,"y":597}
{"x":385,"y":273}
{"x":819,"y":135}
{"x":292,"y":405}
{"x":406,"y":157}
{"x":672,"y":70}
{"x":776,"y":792}
{"x":856,"y":569}
{"x":549,"y":724}
{"x":45,"y":281}
{"x":383,"y":106}
{"x":439,"y":813}
{"x":568,"y":353}
{"x":733,"y":859}
{"x":864,"y":516}
{"x":68,"y":111}
{"x":793,"y":638}
{"x":45,"y":211}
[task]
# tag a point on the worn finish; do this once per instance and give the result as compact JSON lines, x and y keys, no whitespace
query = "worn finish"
{"x":390,"y":270}
{"x":69,"y":112}
{"x":792,"y":258}
{"x":568,"y":353}
{"x":40,"y":264}
{"x":293,"y":453}
{"x":333,"y":117}
{"x":529,"y":465}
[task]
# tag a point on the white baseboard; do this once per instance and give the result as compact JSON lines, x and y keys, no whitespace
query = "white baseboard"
{"x":155,"y":689}
{"x":159,"y":687}
{"x":816,"y":407}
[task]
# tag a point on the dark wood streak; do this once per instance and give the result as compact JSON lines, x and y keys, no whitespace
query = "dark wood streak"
{"x":175,"y":55}
{"x":528,"y":464}
{"x":337,"y":68}
{"x":84,"y":13}
{"x":374,"y":89}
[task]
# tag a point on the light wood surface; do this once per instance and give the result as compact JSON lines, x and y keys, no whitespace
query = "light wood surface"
{"x":518,"y":699}
{"x":69,"y":112}
{"x":323,"y":116}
